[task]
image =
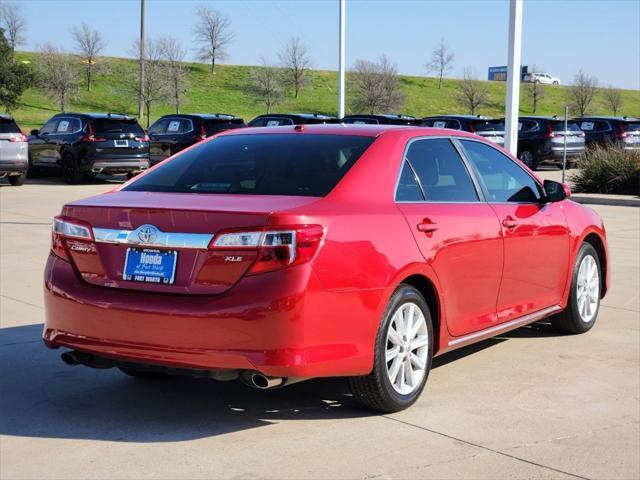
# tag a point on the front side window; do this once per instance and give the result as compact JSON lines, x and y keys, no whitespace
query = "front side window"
{"x":504,"y":180}
{"x":269,"y":164}
{"x":441,"y":172}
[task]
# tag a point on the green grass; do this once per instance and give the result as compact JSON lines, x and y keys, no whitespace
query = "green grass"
{"x":226,"y":92}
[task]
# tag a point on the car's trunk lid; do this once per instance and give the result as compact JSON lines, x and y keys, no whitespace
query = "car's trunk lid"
{"x":175,"y":226}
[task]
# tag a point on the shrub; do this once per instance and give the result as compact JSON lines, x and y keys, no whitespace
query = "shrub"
{"x":608,"y":169}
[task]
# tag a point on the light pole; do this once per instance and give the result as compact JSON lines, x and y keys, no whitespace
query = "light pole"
{"x":513,"y":77}
{"x":341,"y":62}
{"x":141,"y":80}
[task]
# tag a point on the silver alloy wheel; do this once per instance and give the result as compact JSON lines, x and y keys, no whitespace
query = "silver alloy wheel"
{"x":588,"y":291}
{"x":527,"y":158}
{"x":407,"y":348}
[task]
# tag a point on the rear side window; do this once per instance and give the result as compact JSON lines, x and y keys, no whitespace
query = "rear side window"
{"x":527,"y":126}
{"x":8,"y":126}
{"x":271,"y":164}
{"x":104,"y":125}
{"x":504,"y":180}
{"x":67,"y":125}
{"x":440,"y":171}
{"x":171,"y":126}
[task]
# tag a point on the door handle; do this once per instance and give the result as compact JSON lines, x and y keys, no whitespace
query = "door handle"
{"x":510,"y":223}
{"x":427,"y":226}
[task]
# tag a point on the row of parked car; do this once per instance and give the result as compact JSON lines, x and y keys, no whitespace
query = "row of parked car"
{"x":85,"y":144}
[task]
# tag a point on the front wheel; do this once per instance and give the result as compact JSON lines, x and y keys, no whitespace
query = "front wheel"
{"x":584,"y":298}
{"x":71,"y":169}
{"x":402,"y":357}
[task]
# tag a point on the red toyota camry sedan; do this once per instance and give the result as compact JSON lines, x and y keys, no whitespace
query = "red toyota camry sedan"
{"x":278,"y":255}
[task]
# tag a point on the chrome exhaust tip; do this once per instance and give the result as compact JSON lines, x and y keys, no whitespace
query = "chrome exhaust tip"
{"x":71,"y":358}
{"x":263,"y":382}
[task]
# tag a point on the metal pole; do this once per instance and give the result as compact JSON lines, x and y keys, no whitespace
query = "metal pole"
{"x":513,"y":77}
{"x":341,"y":62}
{"x":141,"y":82}
{"x":564,"y":150}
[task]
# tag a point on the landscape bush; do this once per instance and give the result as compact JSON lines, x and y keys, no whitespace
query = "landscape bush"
{"x":608,"y":169}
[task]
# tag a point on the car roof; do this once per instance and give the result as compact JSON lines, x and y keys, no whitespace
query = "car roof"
{"x":365,"y":130}
{"x":321,"y":116}
{"x":393,"y":116}
{"x":203,"y":116}
{"x":6,"y":116}
{"x":94,"y":116}
{"x":543,"y":117}
{"x":604,"y":117}
{"x":463,"y":117}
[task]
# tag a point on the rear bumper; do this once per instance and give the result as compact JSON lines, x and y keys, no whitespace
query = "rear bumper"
{"x":119,"y":165}
{"x":18,"y":165}
{"x":557,"y":154}
{"x":260,"y":324}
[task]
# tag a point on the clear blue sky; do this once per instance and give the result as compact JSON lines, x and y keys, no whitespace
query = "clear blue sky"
{"x":602,"y":36}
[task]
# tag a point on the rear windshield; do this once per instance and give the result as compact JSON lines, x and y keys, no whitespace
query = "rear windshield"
{"x":104,"y":125}
{"x":270,"y":122}
{"x":278,"y":164}
{"x":571,"y":127}
{"x":488,"y":126}
{"x":215,"y":126}
{"x":441,"y":123}
{"x":370,"y":121}
{"x":631,"y":127}
{"x":171,"y":126}
{"x":8,"y":126}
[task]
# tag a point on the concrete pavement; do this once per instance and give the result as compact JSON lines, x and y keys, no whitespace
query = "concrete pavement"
{"x":529,"y":404}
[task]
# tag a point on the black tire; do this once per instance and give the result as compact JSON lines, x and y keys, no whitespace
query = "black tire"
{"x":375,"y":391}
{"x":556,"y":83}
{"x":143,"y":374}
{"x":529,"y":159}
{"x":17,"y":180}
{"x":571,"y":320}
{"x":71,"y":169}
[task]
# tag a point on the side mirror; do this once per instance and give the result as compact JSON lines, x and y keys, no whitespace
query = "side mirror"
{"x":35,"y":132}
{"x":556,"y":191}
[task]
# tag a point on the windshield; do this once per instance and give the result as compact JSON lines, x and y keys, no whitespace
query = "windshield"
{"x":277,"y":164}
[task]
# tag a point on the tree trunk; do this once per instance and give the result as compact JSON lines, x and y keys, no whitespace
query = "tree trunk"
{"x":89,"y":78}
{"x":213,"y":65}
{"x":148,"y":105}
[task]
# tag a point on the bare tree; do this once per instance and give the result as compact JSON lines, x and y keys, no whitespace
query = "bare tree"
{"x":582,"y":92}
{"x":613,"y":97}
{"x":173,"y":55}
{"x":155,"y":87}
{"x":89,"y":44}
{"x":212,"y":32}
{"x":14,"y":24}
{"x":441,"y":61}
{"x":377,"y":86}
{"x":265,"y":84}
{"x":535,"y":91}
{"x":295,"y":60}
{"x":472,"y":93}
{"x":58,"y":75}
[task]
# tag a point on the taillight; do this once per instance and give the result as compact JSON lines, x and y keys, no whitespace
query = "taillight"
{"x":18,"y":137}
{"x":203,"y":134}
{"x":550,"y":133}
{"x":472,"y":128}
{"x":90,"y":137}
{"x":277,"y":248}
{"x":67,"y":228}
{"x":142,"y":139}
{"x":622,"y":133}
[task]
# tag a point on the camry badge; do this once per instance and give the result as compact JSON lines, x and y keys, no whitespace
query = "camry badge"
{"x":147,"y":233}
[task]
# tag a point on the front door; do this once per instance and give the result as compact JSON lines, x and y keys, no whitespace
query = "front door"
{"x":536,"y":237}
{"x":459,"y":236}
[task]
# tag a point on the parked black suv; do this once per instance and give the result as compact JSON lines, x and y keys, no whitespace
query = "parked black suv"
{"x":282,"y":119}
{"x":172,"y":133}
{"x":623,"y":132}
{"x":542,"y":139}
{"x":83,"y":144}
{"x":390,"y":119}
{"x":490,"y":128}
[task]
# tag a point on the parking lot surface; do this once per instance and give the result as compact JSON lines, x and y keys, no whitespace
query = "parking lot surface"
{"x":528,"y":404}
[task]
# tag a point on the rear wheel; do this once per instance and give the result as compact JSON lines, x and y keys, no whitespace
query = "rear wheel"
{"x":584,"y":298}
{"x":402,"y":357}
{"x":529,"y":159}
{"x":17,"y":180}
{"x":71,"y":169}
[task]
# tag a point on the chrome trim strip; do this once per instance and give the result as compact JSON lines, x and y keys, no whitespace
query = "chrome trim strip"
{"x":503,"y":327}
{"x":163,"y":239}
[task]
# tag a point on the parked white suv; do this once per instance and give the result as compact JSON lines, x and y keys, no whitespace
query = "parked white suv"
{"x":541,"y":78}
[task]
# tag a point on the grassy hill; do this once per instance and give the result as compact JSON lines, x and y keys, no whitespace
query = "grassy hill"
{"x":226,"y":92}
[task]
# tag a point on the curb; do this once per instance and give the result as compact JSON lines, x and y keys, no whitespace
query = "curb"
{"x":617,"y":202}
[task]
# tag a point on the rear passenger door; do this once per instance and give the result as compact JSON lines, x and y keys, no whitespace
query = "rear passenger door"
{"x":536,"y":237}
{"x":458,"y":234}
